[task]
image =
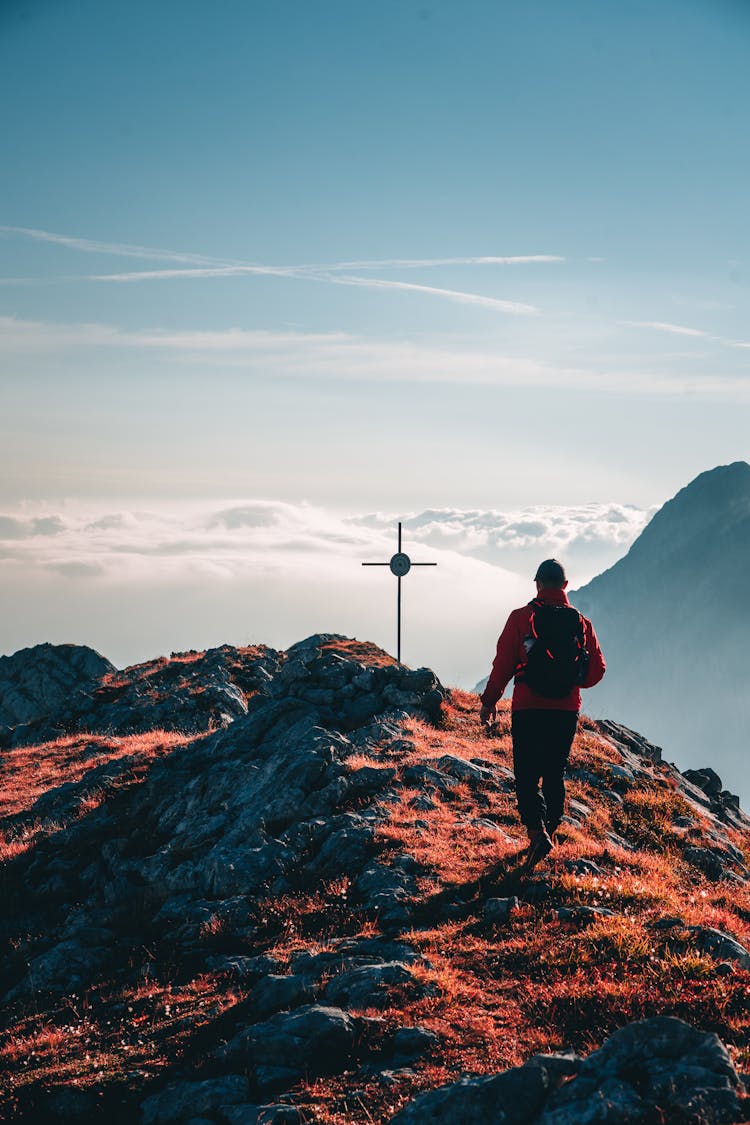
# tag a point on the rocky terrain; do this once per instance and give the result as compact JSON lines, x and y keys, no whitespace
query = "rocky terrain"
{"x":247,"y":886}
{"x":38,"y":682}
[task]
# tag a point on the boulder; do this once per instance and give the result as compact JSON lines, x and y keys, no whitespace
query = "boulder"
{"x":181,"y":1100}
{"x":498,"y":911}
{"x":711,"y":861}
{"x":511,"y":1098}
{"x":412,"y":1042}
{"x":655,"y":1070}
{"x":372,"y":986}
{"x":314,"y":1039}
{"x":722,"y":946}
{"x":40,"y":681}
{"x":652,"y":1070}
{"x":274,"y":993}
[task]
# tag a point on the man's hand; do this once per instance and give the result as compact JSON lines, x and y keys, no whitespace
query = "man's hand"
{"x":487,"y":715}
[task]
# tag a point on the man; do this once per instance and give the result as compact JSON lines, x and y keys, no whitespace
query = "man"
{"x":552,"y":651}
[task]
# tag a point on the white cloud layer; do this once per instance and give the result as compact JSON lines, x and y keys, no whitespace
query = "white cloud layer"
{"x":136,"y":583}
{"x":342,"y":355}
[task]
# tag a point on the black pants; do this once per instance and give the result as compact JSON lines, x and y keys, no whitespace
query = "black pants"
{"x":541,"y":745}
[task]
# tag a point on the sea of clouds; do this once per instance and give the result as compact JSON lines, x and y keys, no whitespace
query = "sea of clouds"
{"x":137,"y":582}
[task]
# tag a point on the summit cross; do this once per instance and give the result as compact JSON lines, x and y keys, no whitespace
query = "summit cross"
{"x":400,"y":565}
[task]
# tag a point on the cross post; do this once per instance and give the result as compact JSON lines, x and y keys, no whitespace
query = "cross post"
{"x":400,"y":565}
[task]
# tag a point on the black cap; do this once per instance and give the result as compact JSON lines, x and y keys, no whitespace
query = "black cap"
{"x":551,"y":573}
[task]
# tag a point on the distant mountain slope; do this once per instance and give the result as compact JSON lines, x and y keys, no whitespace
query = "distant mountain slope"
{"x":673,"y":618}
{"x":313,"y":913}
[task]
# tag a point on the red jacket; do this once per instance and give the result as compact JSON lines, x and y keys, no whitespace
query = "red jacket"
{"x":510,"y":653}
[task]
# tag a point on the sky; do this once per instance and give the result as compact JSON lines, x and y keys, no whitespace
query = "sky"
{"x":274,"y":275}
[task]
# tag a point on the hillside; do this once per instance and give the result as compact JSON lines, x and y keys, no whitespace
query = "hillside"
{"x":673,"y":620}
{"x":303,"y":907}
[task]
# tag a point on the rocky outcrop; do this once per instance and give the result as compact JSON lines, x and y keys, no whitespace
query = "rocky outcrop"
{"x":190,"y":692}
{"x":40,"y":681}
{"x":266,"y":805}
{"x":197,"y":692}
{"x":652,"y":1071}
{"x":280,"y":858}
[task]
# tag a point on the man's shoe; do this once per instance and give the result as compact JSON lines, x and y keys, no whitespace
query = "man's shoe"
{"x":540,"y":845}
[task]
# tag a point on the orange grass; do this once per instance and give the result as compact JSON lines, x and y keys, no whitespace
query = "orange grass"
{"x":110,"y":1034}
{"x":28,"y":772}
{"x":496,"y":996}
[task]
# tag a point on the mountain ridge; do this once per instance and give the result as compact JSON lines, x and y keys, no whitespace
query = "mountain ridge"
{"x":308,"y":910}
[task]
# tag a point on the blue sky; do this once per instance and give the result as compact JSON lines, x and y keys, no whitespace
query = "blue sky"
{"x":465,"y":257}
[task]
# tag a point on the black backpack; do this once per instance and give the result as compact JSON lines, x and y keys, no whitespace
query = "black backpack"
{"x":556,"y":656}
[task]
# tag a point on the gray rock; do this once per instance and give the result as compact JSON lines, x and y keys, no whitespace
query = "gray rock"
{"x":660,"y":1061}
{"x":422,"y":776}
{"x":277,"y":993}
{"x":465,"y":771}
{"x":579,"y":808}
{"x":583,"y":867}
{"x":559,"y":1064}
{"x":39,"y":681}
{"x":511,"y":1098}
{"x":708,"y":860}
{"x":706,"y":779}
{"x":67,"y":1105}
{"x":668,"y":922}
{"x":618,"y":841}
{"x":371,"y":986}
{"x":244,"y":968}
{"x":422,"y":803}
{"x":188,"y":1099}
{"x":537,"y":890}
{"x":64,"y":968}
{"x":498,"y":911}
{"x":312,"y":1040}
{"x":722,"y":946}
{"x":378,"y":949}
{"x":279,"y":1115}
{"x":491,"y":826}
{"x":654,"y":1070}
{"x":413,"y":1042}
{"x":239,"y":1114}
{"x":345,"y":849}
{"x":583,"y":913}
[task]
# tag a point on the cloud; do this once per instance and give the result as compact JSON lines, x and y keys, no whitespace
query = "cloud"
{"x":341,"y":355}
{"x":427,"y":263}
{"x":271,"y":533}
{"x":589,"y":537}
{"x":673,"y":329}
{"x":135,"y":583}
{"x":200,"y":274}
{"x":91,"y":246}
{"x":24,"y":528}
{"x":210,"y":268}
{"x":681,"y":330}
{"x":514,"y":308}
{"x":119,"y":249}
